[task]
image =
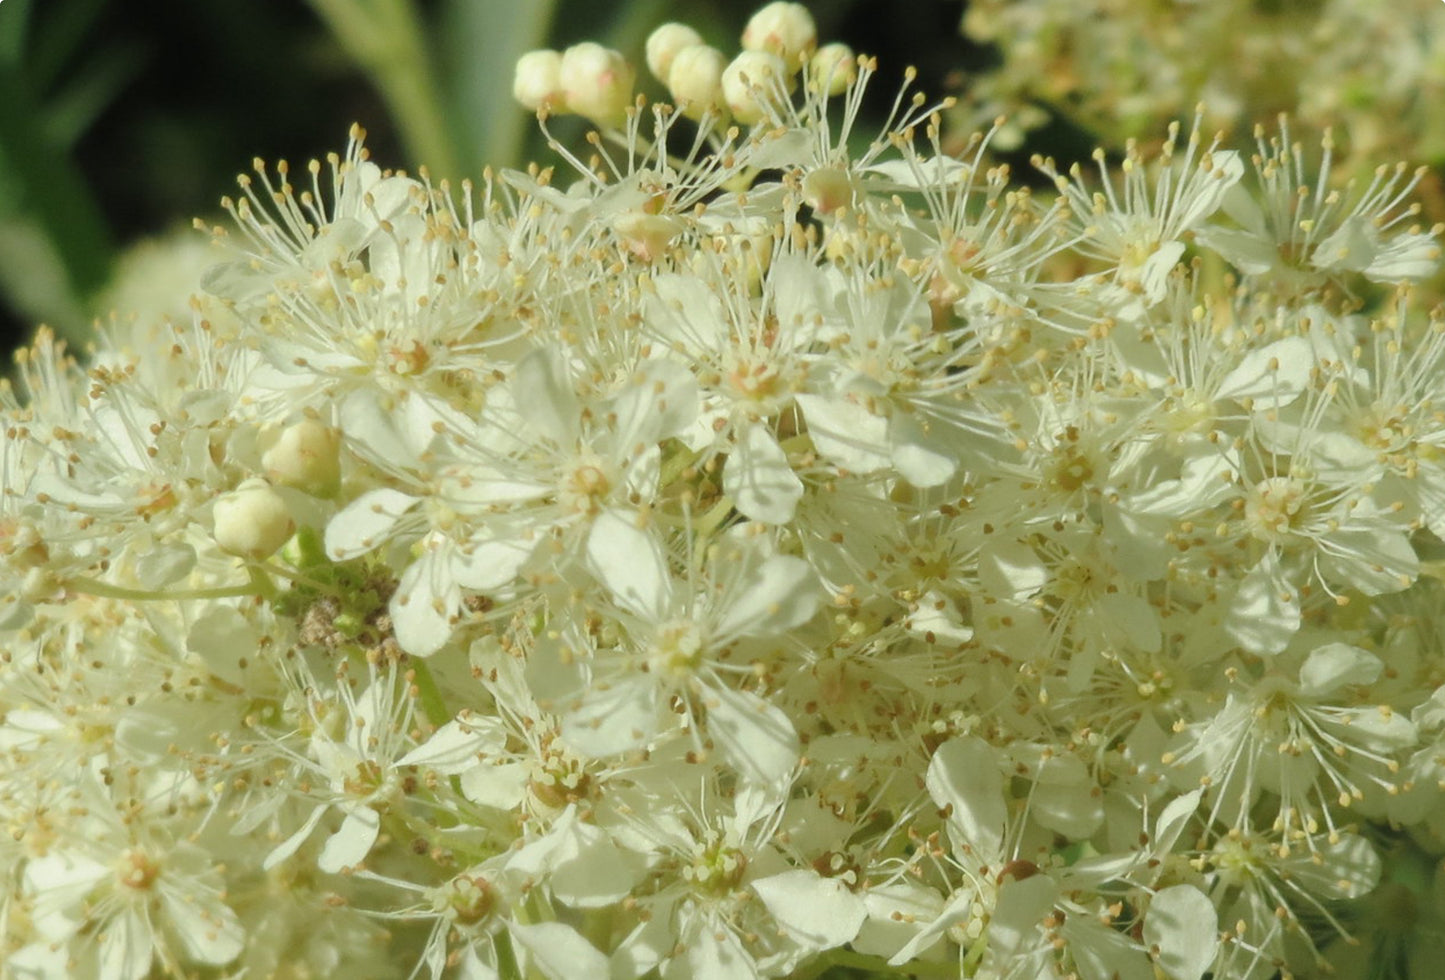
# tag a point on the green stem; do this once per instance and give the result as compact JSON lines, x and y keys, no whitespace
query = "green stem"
{"x":507,"y":967}
{"x":385,"y":37}
{"x":432,"y":701}
{"x":104,"y":590}
{"x":709,"y":522}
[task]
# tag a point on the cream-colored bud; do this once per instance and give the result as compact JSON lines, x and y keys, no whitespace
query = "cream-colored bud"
{"x":752,"y":81}
{"x":307,"y":456}
{"x":646,"y":235}
{"x":663,"y":46}
{"x":784,"y":29}
{"x":695,"y":82}
{"x":252,"y":521}
{"x":828,"y":189}
{"x":597,"y":83}
{"x":537,"y":81}
{"x":832,"y":69}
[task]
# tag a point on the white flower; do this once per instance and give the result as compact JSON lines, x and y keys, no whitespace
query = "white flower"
{"x":683,"y":640}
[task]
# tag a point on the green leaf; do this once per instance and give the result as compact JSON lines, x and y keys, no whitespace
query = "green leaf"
{"x":483,"y":39}
{"x":70,"y":112}
{"x":62,"y":39}
{"x":51,"y":221}
{"x":14,"y":29}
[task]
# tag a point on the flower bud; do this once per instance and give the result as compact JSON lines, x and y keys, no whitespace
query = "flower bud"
{"x":828,"y":189}
{"x":537,"y":82}
{"x":646,"y":235}
{"x":695,"y":81}
{"x":752,"y":81}
{"x":252,"y":521}
{"x":307,"y":456}
{"x":784,"y":29}
{"x":832,"y":69}
{"x":596,"y":83}
{"x":663,"y":46}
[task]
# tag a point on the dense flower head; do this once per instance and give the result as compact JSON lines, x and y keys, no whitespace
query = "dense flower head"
{"x":762,"y":547}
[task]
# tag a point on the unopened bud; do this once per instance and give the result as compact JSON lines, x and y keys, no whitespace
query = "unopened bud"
{"x":696,"y":80}
{"x":663,"y":46}
{"x":596,"y":83}
{"x":828,"y":189}
{"x":252,"y":521}
{"x":307,"y":456}
{"x":784,"y":29}
{"x":754,"y":80}
{"x":832,"y":69}
{"x":537,"y":81}
{"x":646,"y":235}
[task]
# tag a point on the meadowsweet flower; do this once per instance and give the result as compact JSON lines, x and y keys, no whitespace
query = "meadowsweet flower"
{"x":753,"y":547}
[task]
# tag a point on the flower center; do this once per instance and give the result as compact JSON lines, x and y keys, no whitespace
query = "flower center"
{"x":677,"y":649}
{"x":1274,"y":507}
{"x":136,"y":870}
{"x":465,"y":900}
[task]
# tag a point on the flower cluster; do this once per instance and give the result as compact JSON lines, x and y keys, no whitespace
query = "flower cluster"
{"x":1122,"y":70}
{"x":767,"y":548}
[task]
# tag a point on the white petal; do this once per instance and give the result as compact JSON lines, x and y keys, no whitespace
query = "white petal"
{"x":1011,"y":569}
{"x":352,"y":841}
{"x":1277,"y":372}
{"x":613,"y":719}
{"x":964,"y":777}
{"x":1173,"y":819}
{"x":1251,"y":254}
{"x":847,"y":433}
{"x":959,"y":909}
{"x":756,"y":737}
{"x":660,"y":402}
{"x":713,"y":953}
{"x":1101,"y":952}
{"x":1075,"y":811}
{"x":456,"y":746}
{"x":759,"y":480}
{"x":821,"y":912}
{"x":125,"y":947}
{"x":164,"y":563}
{"x":488,"y":565}
{"x":366,"y":522}
{"x":1336,"y":665}
{"x":292,"y":844}
{"x":919,"y":455}
{"x":64,"y":874}
{"x":1183,"y":925}
{"x":500,"y":787}
{"x":1376,"y":562}
{"x":1020,"y":907}
{"x":782,"y":595}
{"x":1207,"y":190}
{"x":543,"y":394}
{"x":896,"y":913}
{"x":1130,"y":619}
{"x":1408,"y":256}
{"x":591,"y":870}
{"x":630,"y":563}
{"x":209,"y":930}
{"x":1352,"y":246}
{"x":1345,"y":869}
{"x":558,"y":951}
{"x":1265,"y":612}
{"x":425,"y":602}
{"x":684,"y":310}
{"x":375,"y":425}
